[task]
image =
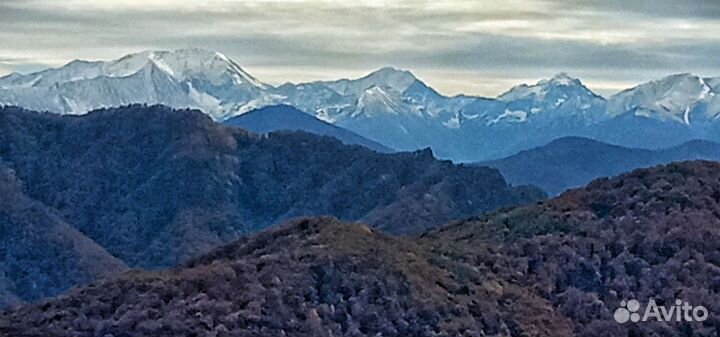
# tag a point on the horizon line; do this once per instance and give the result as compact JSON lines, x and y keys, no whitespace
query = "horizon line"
{"x":360,"y":74}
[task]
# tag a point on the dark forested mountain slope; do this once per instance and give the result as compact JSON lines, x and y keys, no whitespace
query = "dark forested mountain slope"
{"x":555,"y":268}
{"x":40,"y":254}
{"x":653,"y":233}
{"x":311,"y":277}
{"x":287,"y":118}
{"x":154,"y":185}
{"x":574,"y":161}
{"x":149,"y":187}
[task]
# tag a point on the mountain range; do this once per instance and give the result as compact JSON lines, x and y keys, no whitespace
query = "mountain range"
{"x":574,"y":161}
{"x":286,"y":118}
{"x":150,"y":187}
{"x":389,"y":106}
{"x":555,"y":268}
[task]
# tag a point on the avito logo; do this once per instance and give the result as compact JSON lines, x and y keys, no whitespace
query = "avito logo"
{"x":681,"y":311}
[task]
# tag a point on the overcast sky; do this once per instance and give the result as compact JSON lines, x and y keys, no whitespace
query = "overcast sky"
{"x":460,"y":46}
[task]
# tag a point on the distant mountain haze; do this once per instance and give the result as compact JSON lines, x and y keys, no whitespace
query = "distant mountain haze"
{"x":287,"y":118}
{"x":389,"y":106}
{"x":573,"y":161}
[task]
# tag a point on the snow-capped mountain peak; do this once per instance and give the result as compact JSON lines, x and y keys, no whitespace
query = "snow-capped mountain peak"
{"x":184,"y":65}
{"x":560,"y":82}
{"x":685,"y":85}
{"x":389,"y":105}
{"x":388,"y":78}
{"x":376,"y":101}
{"x":184,"y":78}
{"x":560,"y":79}
{"x":557,"y":99}
{"x":675,"y":97}
{"x":73,"y":71}
{"x":397,"y":79}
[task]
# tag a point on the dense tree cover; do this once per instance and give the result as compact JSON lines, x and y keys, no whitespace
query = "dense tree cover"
{"x":40,"y":254}
{"x":652,"y":233}
{"x":154,"y":186}
{"x":556,"y":268}
{"x":311,"y":277}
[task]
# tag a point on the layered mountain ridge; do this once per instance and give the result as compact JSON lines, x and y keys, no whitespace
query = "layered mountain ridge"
{"x":389,"y":106}
{"x":155,"y":186}
{"x":572,"y":162}
{"x":286,"y":118}
{"x":555,"y":268}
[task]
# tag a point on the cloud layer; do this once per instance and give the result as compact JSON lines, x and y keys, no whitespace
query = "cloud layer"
{"x":478,"y":47}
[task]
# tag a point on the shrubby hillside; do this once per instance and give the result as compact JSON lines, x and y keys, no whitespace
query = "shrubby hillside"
{"x":652,"y":233}
{"x":556,"y":268}
{"x":311,"y":277}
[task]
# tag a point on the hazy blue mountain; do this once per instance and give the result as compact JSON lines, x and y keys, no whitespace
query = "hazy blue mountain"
{"x":573,"y":161}
{"x":549,"y":101}
{"x":397,"y":108}
{"x":389,"y":106}
{"x":528,"y":116}
{"x":287,"y":118}
{"x":638,"y":131}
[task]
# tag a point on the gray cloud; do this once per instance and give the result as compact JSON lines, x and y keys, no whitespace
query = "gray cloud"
{"x":693,"y":9}
{"x":607,"y":43}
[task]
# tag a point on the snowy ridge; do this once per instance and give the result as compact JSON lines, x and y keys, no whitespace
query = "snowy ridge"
{"x":191,"y":78}
{"x":387,"y":78}
{"x":182,"y":65}
{"x":714,"y":83}
{"x":390,"y":106}
{"x":680,"y":97}
{"x":560,"y":97}
{"x":541,"y":88}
